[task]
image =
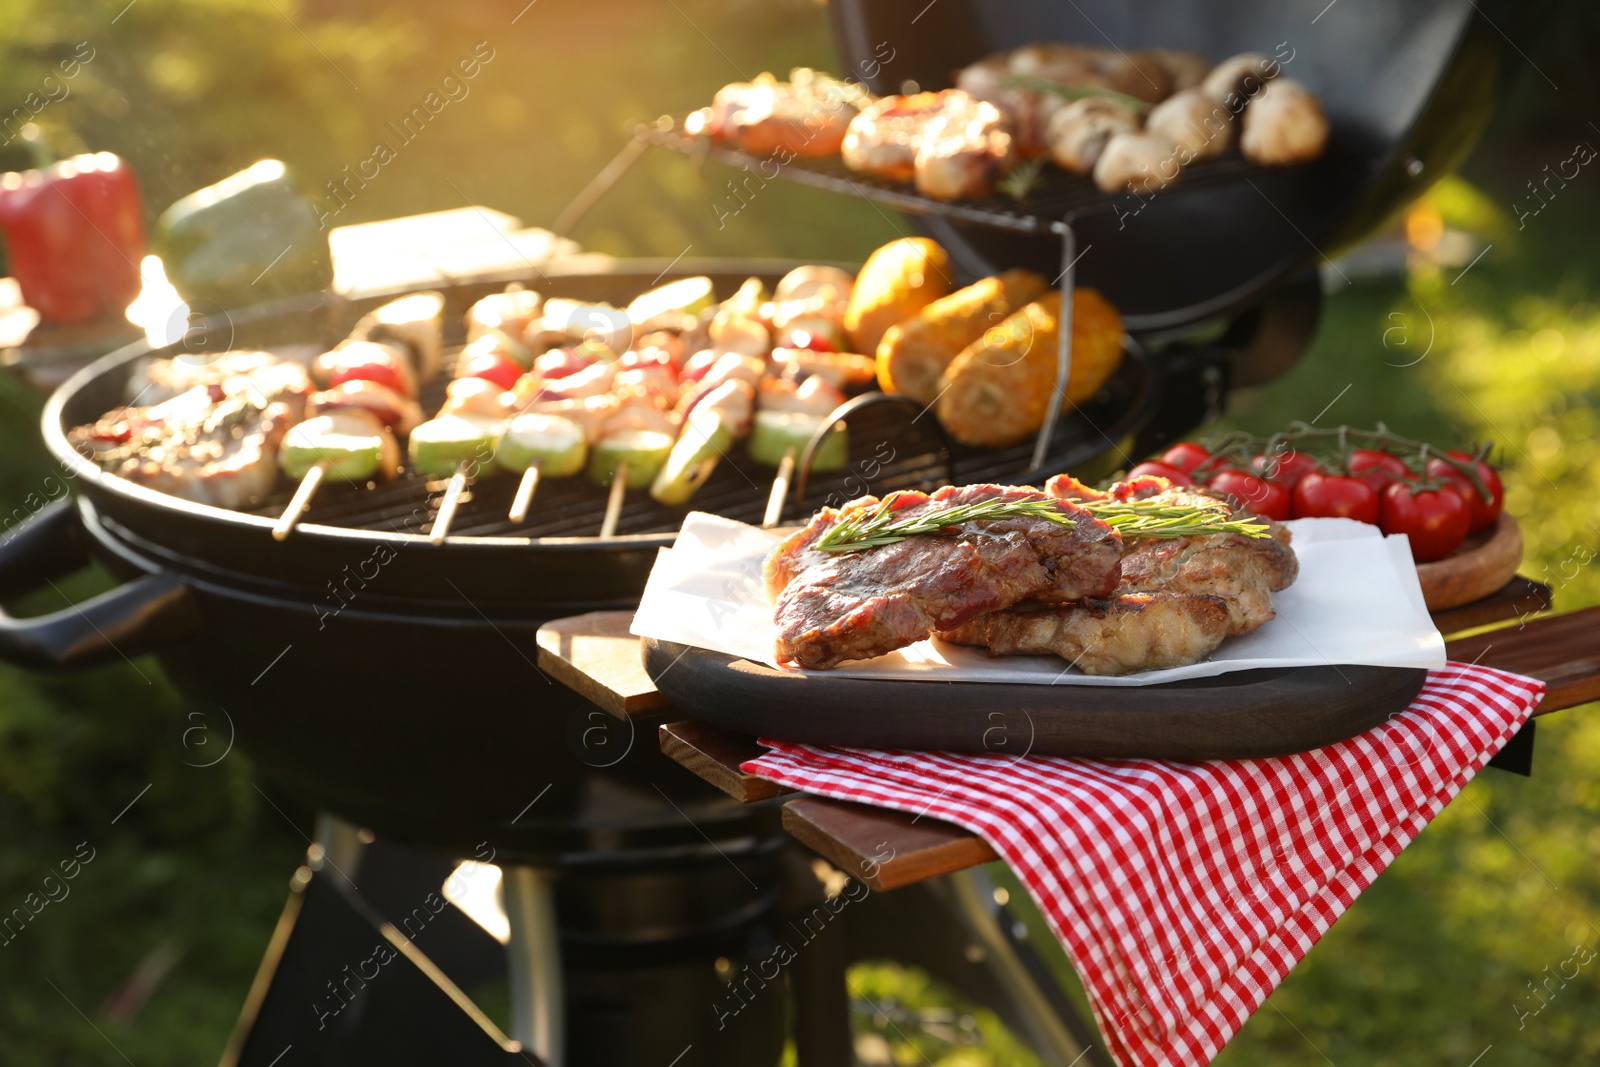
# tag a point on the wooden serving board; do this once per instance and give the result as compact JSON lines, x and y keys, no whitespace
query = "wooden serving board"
{"x":1483,"y":564}
{"x":1239,"y":715}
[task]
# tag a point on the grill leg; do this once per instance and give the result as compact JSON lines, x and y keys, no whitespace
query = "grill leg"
{"x":1051,"y":1024}
{"x":538,"y":1018}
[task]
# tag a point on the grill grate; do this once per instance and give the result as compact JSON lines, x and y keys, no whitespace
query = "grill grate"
{"x":890,"y":448}
{"x":1056,"y":194}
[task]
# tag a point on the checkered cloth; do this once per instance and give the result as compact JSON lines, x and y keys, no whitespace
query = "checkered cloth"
{"x":1184,"y":892}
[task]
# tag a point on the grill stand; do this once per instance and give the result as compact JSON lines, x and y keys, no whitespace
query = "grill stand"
{"x":537,"y":1004}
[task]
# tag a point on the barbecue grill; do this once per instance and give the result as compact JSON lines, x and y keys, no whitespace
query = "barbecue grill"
{"x":408,"y":701}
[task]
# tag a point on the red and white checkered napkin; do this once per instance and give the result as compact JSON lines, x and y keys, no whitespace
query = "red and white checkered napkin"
{"x":1185,"y":892}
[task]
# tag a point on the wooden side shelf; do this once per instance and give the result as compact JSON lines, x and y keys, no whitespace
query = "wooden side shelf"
{"x":1518,"y":599}
{"x":1563,"y":651}
{"x":885,"y":849}
{"x":595,"y":655}
{"x":715,"y":755}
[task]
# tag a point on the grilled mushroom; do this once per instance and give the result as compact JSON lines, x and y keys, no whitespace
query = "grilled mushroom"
{"x":1234,"y":82}
{"x":1284,"y":125}
{"x":1197,"y":124}
{"x":1078,"y":132}
{"x":1138,"y":161}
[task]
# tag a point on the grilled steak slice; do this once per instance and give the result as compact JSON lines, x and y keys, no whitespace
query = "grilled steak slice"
{"x":1124,"y":634}
{"x":199,"y":445}
{"x":1243,"y":572}
{"x":837,"y":606}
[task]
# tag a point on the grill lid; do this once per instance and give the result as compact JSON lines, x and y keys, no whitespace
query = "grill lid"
{"x":1407,"y":89}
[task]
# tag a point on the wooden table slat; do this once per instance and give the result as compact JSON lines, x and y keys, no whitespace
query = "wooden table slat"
{"x":1519,"y":598}
{"x":595,"y":655}
{"x":1563,"y":651}
{"x":715,"y":755}
{"x":885,"y":849}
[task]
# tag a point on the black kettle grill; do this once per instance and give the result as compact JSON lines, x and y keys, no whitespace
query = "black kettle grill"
{"x":392,"y":682}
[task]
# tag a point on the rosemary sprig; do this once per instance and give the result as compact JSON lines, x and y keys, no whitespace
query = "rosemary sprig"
{"x":1133,"y":518}
{"x":1072,"y":92}
{"x":1152,"y":518}
{"x":879,"y":527}
{"x":1022,"y":179}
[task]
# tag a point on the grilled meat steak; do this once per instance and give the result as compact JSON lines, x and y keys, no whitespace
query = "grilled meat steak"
{"x":1177,"y":599}
{"x":1121,"y":635}
{"x":213,"y":443}
{"x":1243,"y":571}
{"x":837,"y":606}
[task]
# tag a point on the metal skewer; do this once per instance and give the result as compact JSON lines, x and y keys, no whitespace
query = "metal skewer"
{"x":299,"y":502}
{"x":780,"y":490}
{"x":525,"y":491}
{"x":447,"y":507}
{"x":619,"y":486}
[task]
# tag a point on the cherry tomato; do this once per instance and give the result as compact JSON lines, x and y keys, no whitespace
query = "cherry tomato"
{"x":1175,"y":475}
{"x":1435,"y":521}
{"x":1377,"y":468}
{"x":1324,"y":495}
{"x":698,"y":364}
{"x":1186,"y":456}
{"x":1483,"y":512}
{"x":811,"y":342}
{"x":649,"y":357}
{"x":1286,"y":467}
{"x":558,"y":363}
{"x":1267,"y":499}
{"x":366,"y":362}
{"x":489,"y":363}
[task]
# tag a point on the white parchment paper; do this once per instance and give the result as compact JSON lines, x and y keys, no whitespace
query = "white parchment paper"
{"x":1357,"y":600}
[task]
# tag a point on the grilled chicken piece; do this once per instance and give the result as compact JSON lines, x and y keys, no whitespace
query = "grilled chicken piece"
{"x":1121,"y":635}
{"x":951,"y":144}
{"x":883,"y":139}
{"x":833,"y":607}
{"x":806,"y":116}
{"x":992,"y":80}
{"x":964,"y":150}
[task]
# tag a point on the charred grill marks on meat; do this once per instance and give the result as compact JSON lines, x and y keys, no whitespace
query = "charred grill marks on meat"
{"x":835,"y":607}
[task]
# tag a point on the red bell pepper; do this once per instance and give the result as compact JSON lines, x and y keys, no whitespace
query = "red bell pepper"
{"x":74,"y":231}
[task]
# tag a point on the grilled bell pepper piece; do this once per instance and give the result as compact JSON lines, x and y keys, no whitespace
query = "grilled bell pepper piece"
{"x":222,"y":244}
{"x":74,"y":234}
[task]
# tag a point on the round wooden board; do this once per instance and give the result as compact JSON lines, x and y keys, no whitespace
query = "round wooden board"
{"x":1238,"y":715}
{"x":1481,"y":566}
